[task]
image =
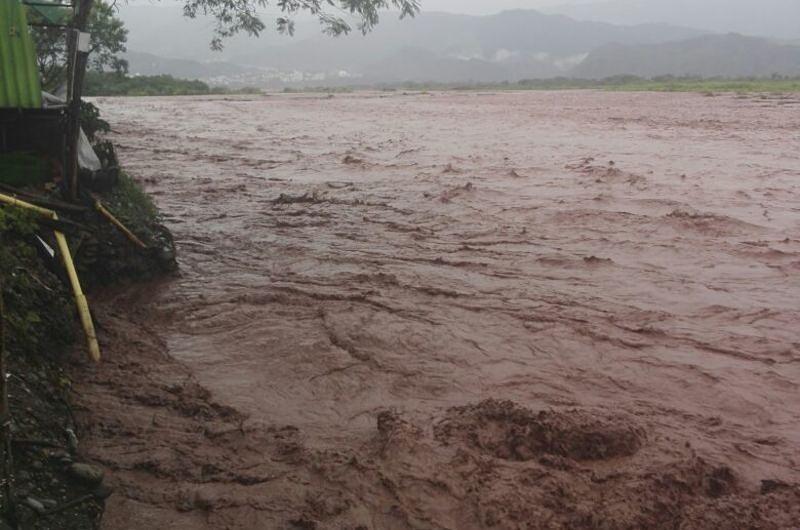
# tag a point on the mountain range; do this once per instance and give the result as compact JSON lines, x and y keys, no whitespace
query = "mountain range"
{"x":441,"y":47}
{"x":773,"y":19}
{"x":729,"y":55}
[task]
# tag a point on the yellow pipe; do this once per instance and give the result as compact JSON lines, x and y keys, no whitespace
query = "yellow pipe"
{"x":80,"y":299}
{"x":116,"y":222}
{"x":13,"y":201}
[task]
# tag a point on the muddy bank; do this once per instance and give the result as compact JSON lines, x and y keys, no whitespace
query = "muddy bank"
{"x":46,"y":483}
{"x":462,"y":311}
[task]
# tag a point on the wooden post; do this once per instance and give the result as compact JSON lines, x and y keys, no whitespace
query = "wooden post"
{"x":82,"y":16}
{"x":75,"y":119}
{"x":79,"y":56}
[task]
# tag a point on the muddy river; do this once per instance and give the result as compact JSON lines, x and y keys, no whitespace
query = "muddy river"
{"x":511,"y":310}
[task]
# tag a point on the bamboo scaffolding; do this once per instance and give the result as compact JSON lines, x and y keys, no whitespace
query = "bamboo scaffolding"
{"x":80,"y":298}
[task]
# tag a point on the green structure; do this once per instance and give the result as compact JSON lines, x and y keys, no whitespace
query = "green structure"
{"x":19,"y":76}
{"x":48,"y":12}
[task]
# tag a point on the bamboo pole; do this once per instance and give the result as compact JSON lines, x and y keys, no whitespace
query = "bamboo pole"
{"x":44,"y":202}
{"x":116,"y":222}
{"x":66,"y":257}
{"x":13,"y":201}
{"x":80,"y":298}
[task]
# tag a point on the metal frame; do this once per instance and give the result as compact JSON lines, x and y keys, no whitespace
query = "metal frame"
{"x":76,"y":67}
{"x":47,"y":4}
{"x":56,"y":117}
{"x":33,"y":3}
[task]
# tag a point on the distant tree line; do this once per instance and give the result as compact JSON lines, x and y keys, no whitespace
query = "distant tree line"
{"x":119,"y":84}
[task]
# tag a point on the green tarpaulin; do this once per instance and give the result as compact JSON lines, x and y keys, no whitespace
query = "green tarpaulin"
{"x":19,"y":76}
{"x":52,"y":14}
{"x":22,"y":169}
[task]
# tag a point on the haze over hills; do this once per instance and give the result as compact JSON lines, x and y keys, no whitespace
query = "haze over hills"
{"x":707,"y":56}
{"x":775,"y":19}
{"x":434,"y":47}
{"x":151,"y":64}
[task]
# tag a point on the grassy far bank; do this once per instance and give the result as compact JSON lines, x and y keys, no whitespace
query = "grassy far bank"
{"x":626,"y":83}
{"x":619,"y":83}
{"x":109,"y":84}
{"x":673,"y":84}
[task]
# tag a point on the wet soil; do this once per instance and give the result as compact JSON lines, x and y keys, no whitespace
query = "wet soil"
{"x":50,"y":487}
{"x":513,"y":310}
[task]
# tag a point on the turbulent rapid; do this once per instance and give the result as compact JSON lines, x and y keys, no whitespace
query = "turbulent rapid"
{"x":474,"y":310}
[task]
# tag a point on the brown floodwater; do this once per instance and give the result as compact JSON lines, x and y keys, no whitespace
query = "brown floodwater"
{"x":623,"y":267}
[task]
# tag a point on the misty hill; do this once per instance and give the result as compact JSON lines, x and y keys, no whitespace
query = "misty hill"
{"x":447,"y":48}
{"x":162,"y":30}
{"x":431,"y":47}
{"x":150,"y":64}
{"x":417,"y":64}
{"x":766,"y":18}
{"x":707,"y":56}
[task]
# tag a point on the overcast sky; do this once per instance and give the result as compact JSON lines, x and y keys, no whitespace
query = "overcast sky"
{"x":471,"y":7}
{"x":487,"y":7}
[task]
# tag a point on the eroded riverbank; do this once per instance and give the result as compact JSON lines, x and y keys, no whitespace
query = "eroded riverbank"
{"x":360,"y":274}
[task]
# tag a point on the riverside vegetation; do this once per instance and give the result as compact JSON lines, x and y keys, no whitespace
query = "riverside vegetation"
{"x":50,"y":488}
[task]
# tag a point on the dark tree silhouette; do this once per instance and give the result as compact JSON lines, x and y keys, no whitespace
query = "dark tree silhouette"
{"x":336,"y":16}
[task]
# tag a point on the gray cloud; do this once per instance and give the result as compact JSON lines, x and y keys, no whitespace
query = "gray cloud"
{"x":485,"y":7}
